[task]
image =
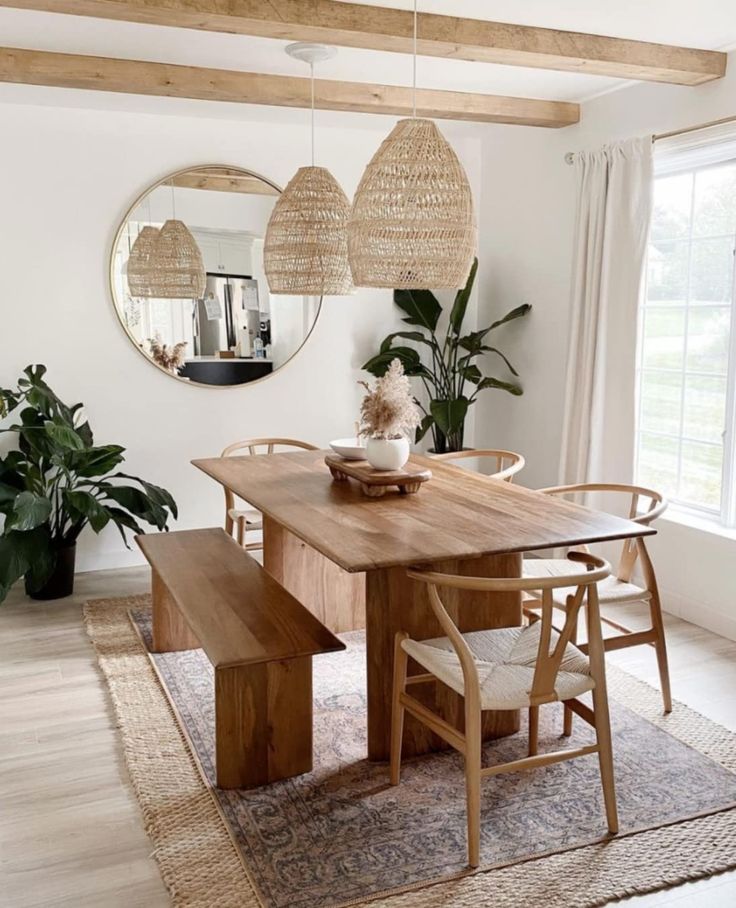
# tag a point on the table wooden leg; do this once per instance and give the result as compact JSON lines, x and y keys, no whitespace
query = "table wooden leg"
{"x":334,"y":596}
{"x":263,"y":722}
{"x":396,"y":603}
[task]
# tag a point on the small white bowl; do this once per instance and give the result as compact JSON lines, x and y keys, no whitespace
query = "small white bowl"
{"x":349,"y":448}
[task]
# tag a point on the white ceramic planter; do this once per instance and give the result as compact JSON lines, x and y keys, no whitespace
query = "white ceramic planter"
{"x":387,"y":453}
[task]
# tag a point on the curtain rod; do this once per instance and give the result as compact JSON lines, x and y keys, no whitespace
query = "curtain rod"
{"x":570,"y":156}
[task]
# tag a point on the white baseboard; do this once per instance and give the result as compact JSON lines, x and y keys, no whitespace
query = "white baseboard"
{"x":699,"y":613}
{"x":109,"y":561}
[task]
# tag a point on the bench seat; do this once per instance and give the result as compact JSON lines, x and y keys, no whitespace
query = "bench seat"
{"x":208,"y":592}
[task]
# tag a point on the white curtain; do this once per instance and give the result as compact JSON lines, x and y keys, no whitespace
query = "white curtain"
{"x":614,"y":193}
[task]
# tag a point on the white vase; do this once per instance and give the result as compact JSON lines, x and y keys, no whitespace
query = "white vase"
{"x":387,"y":453}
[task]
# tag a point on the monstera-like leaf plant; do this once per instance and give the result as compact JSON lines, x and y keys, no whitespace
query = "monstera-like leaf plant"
{"x":449,"y":372}
{"x":56,"y":482}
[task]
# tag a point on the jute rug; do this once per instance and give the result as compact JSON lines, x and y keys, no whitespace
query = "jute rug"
{"x":341,"y":836}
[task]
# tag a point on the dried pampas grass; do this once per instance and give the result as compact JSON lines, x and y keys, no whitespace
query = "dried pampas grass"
{"x":388,"y":409}
{"x":169,"y":358}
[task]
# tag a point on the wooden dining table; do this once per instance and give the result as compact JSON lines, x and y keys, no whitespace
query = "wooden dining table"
{"x":345,"y":555}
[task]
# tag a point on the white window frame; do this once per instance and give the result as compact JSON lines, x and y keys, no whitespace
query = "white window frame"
{"x":691,"y":153}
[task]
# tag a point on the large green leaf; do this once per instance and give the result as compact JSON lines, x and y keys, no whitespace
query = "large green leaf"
{"x":378,"y":365}
{"x":138,"y":503}
{"x":471,"y":373}
{"x":96,"y":461}
{"x":8,"y":494}
{"x":406,"y":335}
{"x":459,"y":307}
{"x":449,"y":414}
{"x":519,"y":312}
{"x":29,"y":511}
{"x":473,"y":341}
{"x":501,"y":385}
{"x":424,"y":427}
{"x":25,"y":553}
{"x":14,"y":562}
{"x":64,"y":436}
{"x":421,"y":307}
{"x":123,"y":521}
{"x":157,"y":494}
{"x":83,"y":505}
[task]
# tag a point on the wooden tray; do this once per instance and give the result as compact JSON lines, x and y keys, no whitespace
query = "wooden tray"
{"x":376,"y":483}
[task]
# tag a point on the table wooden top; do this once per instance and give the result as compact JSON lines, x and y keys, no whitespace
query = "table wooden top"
{"x":458,"y":514}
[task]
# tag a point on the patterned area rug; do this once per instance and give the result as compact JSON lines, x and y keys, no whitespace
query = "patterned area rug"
{"x":341,"y":835}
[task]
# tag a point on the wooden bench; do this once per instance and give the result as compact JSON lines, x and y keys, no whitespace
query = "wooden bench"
{"x":208,"y":592}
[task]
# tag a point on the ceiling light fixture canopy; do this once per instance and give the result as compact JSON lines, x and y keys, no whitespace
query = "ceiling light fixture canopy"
{"x":306,"y":247}
{"x":412,"y":224}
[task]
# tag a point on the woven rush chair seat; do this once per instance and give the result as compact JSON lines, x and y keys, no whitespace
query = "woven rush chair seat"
{"x":505,"y":660}
{"x":253,"y":518}
{"x":609,"y":590}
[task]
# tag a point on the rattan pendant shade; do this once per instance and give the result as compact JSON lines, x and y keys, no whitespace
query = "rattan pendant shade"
{"x":412,"y":224}
{"x":306,"y":246}
{"x":138,"y":269}
{"x":176,"y":266}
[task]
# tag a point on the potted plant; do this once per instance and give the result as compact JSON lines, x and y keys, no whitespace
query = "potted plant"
{"x":388,"y":415}
{"x":55,"y":483}
{"x":451,"y":378}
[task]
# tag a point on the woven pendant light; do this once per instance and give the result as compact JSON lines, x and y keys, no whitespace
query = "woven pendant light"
{"x":138,"y":268}
{"x":306,"y":245}
{"x":412,"y":224}
{"x":176,"y":267}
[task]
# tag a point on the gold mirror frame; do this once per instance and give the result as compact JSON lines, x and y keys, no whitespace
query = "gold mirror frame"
{"x":111,"y":277}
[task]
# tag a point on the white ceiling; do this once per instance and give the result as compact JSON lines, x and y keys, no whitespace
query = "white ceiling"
{"x":708,"y":24}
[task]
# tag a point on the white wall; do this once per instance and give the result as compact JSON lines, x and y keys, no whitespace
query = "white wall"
{"x":527,"y":223}
{"x":70,"y":175}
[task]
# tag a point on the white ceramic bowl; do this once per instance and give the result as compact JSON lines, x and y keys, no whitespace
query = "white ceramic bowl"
{"x":349,"y":448}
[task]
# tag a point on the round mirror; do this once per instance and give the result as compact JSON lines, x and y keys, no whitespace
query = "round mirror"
{"x":188,"y":282}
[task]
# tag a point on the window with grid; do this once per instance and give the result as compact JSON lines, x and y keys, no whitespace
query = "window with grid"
{"x":687,"y":365}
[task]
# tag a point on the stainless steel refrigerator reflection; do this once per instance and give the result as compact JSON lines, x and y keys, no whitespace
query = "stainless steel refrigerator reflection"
{"x":227,"y":318}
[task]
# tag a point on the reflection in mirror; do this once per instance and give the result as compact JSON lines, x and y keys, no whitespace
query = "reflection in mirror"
{"x":236,"y":331}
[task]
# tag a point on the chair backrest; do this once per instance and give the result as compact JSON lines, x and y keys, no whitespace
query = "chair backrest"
{"x":548,"y":662}
{"x":252,"y":445}
{"x":651,"y":503}
{"x":507,"y":463}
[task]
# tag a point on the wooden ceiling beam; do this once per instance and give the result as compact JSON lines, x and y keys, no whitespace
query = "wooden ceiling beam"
{"x":33,"y":67}
{"x":382,"y":28}
{"x":218,"y":182}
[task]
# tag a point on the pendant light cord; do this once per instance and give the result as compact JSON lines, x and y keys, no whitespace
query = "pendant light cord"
{"x":311,"y":70}
{"x":173,"y":200}
{"x":414,"y":67}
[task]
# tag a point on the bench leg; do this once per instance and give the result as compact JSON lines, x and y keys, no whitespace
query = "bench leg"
{"x":263,"y":722}
{"x":170,"y":631}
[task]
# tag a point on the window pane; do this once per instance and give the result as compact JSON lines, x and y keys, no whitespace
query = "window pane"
{"x":664,"y":338}
{"x":657,"y":463}
{"x":660,"y":402}
{"x":707,"y":339}
{"x":672,"y":200}
{"x":711,"y":271}
{"x":700,"y":483}
{"x":667,"y":272}
{"x":715,"y":200}
{"x":705,"y":408}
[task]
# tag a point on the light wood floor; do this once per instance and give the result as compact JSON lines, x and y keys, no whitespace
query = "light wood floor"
{"x":70,"y":831}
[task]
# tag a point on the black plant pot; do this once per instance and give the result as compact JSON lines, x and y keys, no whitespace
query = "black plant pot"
{"x":61,"y":582}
